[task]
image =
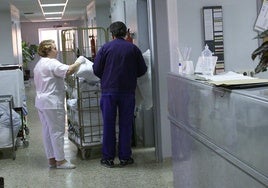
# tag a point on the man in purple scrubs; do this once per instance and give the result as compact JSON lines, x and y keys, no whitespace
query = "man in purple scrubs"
{"x":118,"y":64}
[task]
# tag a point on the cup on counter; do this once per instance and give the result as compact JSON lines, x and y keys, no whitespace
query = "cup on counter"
{"x":188,"y":67}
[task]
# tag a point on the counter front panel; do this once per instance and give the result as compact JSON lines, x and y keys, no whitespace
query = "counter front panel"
{"x":232,"y":123}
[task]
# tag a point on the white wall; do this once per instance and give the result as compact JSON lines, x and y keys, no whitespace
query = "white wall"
{"x":103,"y":15}
{"x":125,"y":11}
{"x":118,"y":11}
{"x":16,"y":35}
{"x":160,"y":67}
{"x":237,"y":28}
{"x":6,"y":38}
{"x":142,"y":35}
{"x":173,"y":34}
{"x":103,"y":19}
{"x":91,"y":14}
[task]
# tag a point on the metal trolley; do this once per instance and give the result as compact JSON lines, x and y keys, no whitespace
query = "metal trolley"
{"x":84,"y":115}
{"x":13,"y":74}
{"x":9,"y":100}
{"x":24,"y":130}
{"x":84,"y":118}
{"x":82,"y":41}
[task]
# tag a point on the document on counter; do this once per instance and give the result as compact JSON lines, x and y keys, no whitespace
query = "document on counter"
{"x":227,"y":76}
{"x":235,"y":80}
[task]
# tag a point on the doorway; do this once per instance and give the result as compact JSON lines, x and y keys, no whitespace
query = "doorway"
{"x":54,"y":34}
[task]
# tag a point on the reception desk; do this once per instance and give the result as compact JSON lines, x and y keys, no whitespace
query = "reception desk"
{"x":219,"y":136}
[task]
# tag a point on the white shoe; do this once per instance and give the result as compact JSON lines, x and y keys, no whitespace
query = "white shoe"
{"x":66,"y":165}
{"x":52,"y":166}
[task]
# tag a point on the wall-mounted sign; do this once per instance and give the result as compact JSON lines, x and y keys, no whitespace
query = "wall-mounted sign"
{"x":213,"y":34}
{"x":262,"y":19}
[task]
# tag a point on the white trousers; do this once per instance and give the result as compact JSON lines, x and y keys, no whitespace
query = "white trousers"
{"x":53,"y":129}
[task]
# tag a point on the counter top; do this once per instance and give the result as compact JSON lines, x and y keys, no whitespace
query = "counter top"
{"x":260,"y":92}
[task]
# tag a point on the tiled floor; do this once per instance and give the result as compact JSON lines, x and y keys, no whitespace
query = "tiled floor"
{"x":29,"y":169}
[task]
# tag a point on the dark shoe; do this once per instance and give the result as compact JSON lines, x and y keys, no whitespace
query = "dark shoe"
{"x":107,"y":163}
{"x":126,"y":162}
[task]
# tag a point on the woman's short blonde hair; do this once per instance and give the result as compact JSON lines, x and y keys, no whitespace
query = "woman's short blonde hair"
{"x":45,"y":47}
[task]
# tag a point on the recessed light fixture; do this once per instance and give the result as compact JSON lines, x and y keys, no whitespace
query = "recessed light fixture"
{"x":52,"y":13}
{"x":54,"y":5}
{"x":53,"y":18}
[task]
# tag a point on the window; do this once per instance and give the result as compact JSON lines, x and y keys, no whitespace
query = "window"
{"x":54,"y":34}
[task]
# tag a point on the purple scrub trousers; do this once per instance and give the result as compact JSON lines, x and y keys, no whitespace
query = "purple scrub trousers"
{"x":124,"y":104}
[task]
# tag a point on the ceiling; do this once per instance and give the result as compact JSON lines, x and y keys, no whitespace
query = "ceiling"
{"x":30,"y":10}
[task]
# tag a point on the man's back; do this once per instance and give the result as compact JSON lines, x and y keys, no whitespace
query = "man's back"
{"x":118,"y":64}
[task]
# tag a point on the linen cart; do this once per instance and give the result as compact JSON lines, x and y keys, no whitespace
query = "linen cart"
{"x":10,"y":124}
{"x":13,"y":75}
{"x":84,"y":41}
{"x":84,"y":115}
{"x":83,"y":90}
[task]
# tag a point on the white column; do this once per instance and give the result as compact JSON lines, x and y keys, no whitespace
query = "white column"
{"x":172,"y":11}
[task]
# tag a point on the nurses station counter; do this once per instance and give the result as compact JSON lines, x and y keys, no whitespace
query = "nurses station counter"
{"x":219,"y":136}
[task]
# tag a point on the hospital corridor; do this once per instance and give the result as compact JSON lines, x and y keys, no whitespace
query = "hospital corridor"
{"x":30,"y":168}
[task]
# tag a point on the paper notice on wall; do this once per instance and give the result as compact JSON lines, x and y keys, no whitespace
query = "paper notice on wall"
{"x":208,"y":22}
{"x":262,"y":19}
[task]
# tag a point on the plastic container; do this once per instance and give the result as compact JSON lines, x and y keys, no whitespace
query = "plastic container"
{"x":206,"y":52}
{"x":207,"y":61}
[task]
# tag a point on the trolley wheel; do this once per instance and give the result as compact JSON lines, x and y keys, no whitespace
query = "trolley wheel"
{"x":25,"y":143}
{"x":27,"y":131}
{"x":85,"y":153}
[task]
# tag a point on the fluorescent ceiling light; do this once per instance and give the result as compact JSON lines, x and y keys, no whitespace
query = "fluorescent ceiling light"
{"x":49,"y":13}
{"x":53,"y":5}
{"x":53,"y":18}
{"x":65,"y":7}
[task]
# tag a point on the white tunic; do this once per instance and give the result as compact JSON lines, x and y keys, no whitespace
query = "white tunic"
{"x":49,"y":77}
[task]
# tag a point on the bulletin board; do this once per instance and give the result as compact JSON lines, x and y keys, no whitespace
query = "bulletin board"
{"x":213,"y":33}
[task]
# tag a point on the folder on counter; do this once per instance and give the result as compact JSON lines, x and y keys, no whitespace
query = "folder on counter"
{"x":240,"y":84}
{"x":234,"y":80}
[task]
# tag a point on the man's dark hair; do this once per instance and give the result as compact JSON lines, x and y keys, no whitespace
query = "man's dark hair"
{"x":118,"y":29}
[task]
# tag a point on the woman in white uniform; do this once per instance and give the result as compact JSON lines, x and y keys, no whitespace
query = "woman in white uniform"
{"x":49,"y":76}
